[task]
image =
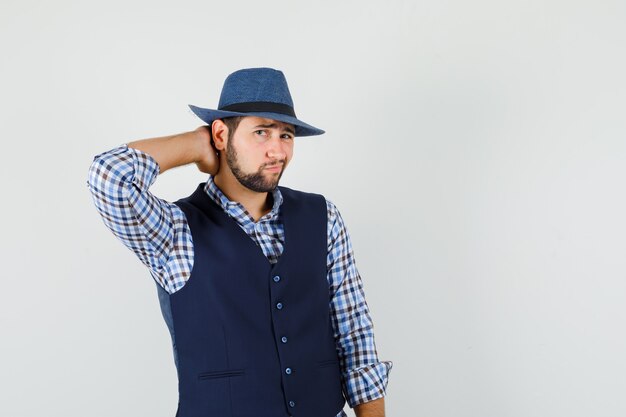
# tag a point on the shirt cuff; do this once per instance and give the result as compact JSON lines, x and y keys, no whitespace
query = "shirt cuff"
{"x":366,"y":384}
{"x":145,"y":167}
{"x":120,"y":167}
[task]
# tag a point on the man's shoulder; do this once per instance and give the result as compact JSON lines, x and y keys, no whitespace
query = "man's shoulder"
{"x":300,"y":195}
{"x":306,"y":197}
{"x":292,"y":192}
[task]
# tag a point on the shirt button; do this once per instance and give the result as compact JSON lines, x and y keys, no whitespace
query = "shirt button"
{"x":292,"y":403}
{"x":283,"y":339}
{"x":276,"y":278}
{"x":279,"y":306}
{"x":288,"y":371}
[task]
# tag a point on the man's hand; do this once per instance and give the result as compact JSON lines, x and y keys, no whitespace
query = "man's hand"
{"x":210,"y":163}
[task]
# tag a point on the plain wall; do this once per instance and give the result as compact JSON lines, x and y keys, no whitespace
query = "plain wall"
{"x":476,"y":151}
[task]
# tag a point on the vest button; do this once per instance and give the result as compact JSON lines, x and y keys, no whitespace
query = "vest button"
{"x":283,"y":339}
{"x":279,"y":306}
{"x":292,"y":404}
{"x":276,"y":278}
{"x":288,"y":371}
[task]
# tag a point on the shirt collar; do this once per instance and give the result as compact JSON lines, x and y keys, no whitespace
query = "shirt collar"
{"x":234,"y":208}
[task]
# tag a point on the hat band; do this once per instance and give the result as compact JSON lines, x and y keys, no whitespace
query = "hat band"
{"x":260,"y":106}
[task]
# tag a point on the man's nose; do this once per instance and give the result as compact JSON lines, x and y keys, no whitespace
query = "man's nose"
{"x":276,"y":148}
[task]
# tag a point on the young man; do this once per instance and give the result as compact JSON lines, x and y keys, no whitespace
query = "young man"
{"x":257,"y":282}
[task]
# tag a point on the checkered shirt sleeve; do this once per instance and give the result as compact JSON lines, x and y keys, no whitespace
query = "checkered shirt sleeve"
{"x":364,"y":376}
{"x":154,"y":229}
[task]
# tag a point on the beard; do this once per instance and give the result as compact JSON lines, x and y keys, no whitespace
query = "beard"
{"x":256,"y":181}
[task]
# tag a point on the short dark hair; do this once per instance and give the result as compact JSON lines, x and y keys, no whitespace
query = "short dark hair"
{"x":232,"y":123}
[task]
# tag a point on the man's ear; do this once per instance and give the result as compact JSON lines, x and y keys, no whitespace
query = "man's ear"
{"x":220,"y":134}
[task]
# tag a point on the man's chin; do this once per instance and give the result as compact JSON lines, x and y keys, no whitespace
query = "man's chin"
{"x":260,"y":183}
{"x":272,"y":187}
{"x":266,"y":188}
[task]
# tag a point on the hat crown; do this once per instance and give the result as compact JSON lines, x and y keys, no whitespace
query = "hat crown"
{"x":255,"y":85}
{"x":261,"y":92}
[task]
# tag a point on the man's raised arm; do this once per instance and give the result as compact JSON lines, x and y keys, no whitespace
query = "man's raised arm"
{"x":181,"y":149}
{"x":152,"y":228}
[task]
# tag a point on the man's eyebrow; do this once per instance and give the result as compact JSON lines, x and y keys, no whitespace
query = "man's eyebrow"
{"x":271,"y":125}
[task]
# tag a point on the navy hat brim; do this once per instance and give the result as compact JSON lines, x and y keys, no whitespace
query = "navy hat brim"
{"x":302,"y":129}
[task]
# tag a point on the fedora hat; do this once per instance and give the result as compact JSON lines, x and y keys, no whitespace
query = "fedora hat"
{"x":261,"y":92}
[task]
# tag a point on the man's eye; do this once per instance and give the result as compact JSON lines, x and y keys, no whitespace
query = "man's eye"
{"x":262,"y":131}
{"x":285,"y":136}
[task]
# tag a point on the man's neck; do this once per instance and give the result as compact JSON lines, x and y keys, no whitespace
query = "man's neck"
{"x":257,"y":204}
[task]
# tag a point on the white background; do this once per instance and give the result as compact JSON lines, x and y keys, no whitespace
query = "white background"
{"x":475,"y":149}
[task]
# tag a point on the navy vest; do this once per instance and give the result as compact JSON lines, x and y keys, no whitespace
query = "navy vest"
{"x":252,"y":339}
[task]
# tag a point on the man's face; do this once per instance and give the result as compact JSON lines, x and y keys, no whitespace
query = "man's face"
{"x":258,"y":152}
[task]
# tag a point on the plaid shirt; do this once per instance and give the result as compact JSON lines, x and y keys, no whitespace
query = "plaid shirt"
{"x":158,"y":233}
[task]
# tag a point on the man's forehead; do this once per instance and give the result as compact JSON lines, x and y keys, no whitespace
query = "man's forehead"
{"x":256,"y":120}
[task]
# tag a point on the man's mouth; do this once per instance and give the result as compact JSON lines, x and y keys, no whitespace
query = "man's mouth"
{"x":274,"y":167}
